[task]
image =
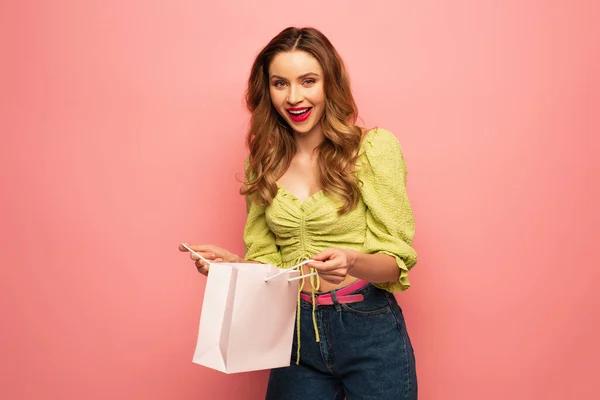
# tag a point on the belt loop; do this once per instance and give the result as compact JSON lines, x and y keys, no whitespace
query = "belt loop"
{"x":338,"y":308}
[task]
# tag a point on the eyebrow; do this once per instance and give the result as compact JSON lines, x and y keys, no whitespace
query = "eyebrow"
{"x":300,"y":77}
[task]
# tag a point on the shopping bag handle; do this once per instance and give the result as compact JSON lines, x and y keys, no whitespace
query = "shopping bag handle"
{"x":302,"y":276}
{"x":295,"y":267}
{"x":196,"y":254}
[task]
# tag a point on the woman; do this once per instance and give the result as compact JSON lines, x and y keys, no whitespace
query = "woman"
{"x":319,"y":187}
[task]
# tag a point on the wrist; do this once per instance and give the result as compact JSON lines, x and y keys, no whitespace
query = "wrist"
{"x":352,"y":257}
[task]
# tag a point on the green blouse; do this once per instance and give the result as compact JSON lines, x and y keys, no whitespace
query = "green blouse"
{"x":289,"y":230}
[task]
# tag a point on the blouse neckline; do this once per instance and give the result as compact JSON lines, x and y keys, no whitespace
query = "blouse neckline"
{"x":313,"y":197}
{"x":320,"y":193}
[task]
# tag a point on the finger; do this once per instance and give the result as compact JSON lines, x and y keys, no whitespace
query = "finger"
{"x":314,"y":265}
{"x":201,"y":264}
{"x":324,"y":255}
{"x":335,"y":273}
{"x":325,"y":265}
{"x":197,"y":247}
{"x":208,"y":256}
{"x":183,"y":248}
{"x":203,"y":271}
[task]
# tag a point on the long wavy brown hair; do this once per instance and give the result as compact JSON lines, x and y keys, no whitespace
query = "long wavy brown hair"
{"x":271,"y":140}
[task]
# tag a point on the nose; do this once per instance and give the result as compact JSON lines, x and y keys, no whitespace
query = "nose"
{"x":295,"y":95}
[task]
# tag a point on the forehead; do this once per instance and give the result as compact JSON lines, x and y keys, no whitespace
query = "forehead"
{"x":291,"y":64}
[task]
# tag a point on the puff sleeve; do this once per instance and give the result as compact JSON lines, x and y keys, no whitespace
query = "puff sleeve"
{"x":390,"y":221}
{"x":259,"y":240}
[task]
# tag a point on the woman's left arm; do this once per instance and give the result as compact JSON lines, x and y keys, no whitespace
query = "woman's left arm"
{"x":387,"y":254}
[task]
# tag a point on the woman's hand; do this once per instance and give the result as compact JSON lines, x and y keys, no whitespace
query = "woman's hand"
{"x":210,"y":252}
{"x":334,"y":264}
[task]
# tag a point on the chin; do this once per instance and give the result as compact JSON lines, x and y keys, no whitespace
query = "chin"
{"x":305,"y":127}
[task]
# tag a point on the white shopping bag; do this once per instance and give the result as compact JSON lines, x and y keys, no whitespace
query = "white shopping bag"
{"x":247,"y":319}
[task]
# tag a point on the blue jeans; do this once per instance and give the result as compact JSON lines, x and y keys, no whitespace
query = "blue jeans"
{"x":364,"y":353}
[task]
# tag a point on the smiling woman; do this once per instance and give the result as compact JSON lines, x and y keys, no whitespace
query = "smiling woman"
{"x":299,"y":96}
{"x":321,"y":188}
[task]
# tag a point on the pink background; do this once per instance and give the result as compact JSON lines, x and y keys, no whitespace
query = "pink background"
{"x":122,"y":134}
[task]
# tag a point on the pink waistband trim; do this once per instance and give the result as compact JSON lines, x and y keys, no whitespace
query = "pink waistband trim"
{"x":343,"y":295}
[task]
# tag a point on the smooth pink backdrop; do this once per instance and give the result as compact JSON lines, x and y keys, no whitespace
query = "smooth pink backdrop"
{"x":123,"y":131}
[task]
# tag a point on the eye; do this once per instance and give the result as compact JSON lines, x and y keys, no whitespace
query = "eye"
{"x":309,"y":81}
{"x":279,"y":84}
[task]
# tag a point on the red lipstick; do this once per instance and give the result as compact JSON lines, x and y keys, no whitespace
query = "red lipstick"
{"x":299,"y":114}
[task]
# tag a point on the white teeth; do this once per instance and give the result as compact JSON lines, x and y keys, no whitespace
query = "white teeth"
{"x":298,"y":112}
